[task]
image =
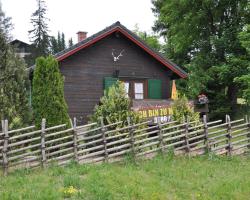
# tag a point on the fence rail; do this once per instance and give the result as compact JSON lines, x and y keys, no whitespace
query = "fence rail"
{"x":31,"y":147}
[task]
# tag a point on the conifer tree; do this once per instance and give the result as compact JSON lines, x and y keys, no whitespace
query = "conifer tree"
{"x":39,"y":34}
{"x":54,"y":45}
{"x":5,"y":24}
{"x":13,"y":80}
{"x":63,"y":44}
{"x":70,"y":43}
{"x":48,"y":93}
{"x":58,"y":44}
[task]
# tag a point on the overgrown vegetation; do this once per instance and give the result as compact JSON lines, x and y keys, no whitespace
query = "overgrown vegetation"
{"x":244,"y":80}
{"x":183,"y":111}
{"x":203,"y":37}
{"x":48,"y":93}
{"x":114,"y":106}
{"x":14,"y":82}
{"x":168,"y":177}
{"x":151,"y":40}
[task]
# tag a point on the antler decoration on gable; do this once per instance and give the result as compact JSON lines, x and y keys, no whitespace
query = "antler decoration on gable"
{"x":116,"y":58}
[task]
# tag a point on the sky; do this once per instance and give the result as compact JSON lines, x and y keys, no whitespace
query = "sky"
{"x":71,"y":16}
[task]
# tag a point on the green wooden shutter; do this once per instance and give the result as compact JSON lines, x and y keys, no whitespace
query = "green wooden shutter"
{"x":109,"y":81}
{"x":154,"y":89}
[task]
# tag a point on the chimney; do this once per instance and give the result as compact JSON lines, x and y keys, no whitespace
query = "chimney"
{"x":81,"y":35}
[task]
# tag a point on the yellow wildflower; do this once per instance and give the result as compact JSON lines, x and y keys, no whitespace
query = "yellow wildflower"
{"x":69,"y":191}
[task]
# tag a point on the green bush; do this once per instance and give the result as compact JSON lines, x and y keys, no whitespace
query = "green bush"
{"x":14,"y":85}
{"x":114,"y":106}
{"x":183,"y":111}
{"x":48,"y":93}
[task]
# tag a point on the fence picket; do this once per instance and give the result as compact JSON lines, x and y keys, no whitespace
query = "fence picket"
{"x":186,"y":137}
{"x":160,"y":135}
{"x":104,"y":140}
{"x":75,"y":140}
{"x":248,"y":135}
{"x":43,"y":150}
{"x":229,"y":135}
{"x":206,"y":139}
{"x":131,"y":135}
{"x":103,"y":145}
{"x":5,"y":146}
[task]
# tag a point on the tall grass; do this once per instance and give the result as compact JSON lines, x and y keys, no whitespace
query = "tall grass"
{"x":164,"y":177}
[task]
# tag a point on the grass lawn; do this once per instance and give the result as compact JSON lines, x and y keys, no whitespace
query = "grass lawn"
{"x":162,"y":178}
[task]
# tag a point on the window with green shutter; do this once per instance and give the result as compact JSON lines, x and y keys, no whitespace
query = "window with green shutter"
{"x":109,"y":81}
{"x":154,"y":89}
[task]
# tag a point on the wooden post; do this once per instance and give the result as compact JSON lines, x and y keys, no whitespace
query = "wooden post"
{"x":131,"y":134}
{"x":75,"y":141}
{"x":160,"y":137}
{"x":206,"y":140}
{"x":5,"y":146}
{"x":186,"y":137}
{"x":103,"y":131}
{"x":248,"y":135}
{"x":43,"y":151}
{"x":229,"y":135}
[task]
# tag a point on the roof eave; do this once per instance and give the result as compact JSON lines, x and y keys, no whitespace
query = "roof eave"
{"x":128,"y":34}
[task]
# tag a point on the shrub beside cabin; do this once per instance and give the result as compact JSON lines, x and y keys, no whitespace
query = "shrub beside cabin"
{"x":116,"y":53}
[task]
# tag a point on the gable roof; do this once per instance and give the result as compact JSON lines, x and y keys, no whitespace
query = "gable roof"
{"x":118,"y":27}
{"x":19,"y":43}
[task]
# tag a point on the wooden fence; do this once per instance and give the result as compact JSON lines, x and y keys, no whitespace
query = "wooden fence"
{"x":29,"y":147}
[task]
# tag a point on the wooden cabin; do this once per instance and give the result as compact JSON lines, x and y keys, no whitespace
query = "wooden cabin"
{"x":115,"y":53}
{"x":22,"y":49}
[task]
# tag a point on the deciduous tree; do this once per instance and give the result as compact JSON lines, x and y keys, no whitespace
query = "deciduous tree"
{"x":244,"y":80}
{"x":150,"y":39}
{"x":203,"y":37}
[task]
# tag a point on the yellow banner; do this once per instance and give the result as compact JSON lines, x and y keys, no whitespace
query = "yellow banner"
{"x":155,"y":112}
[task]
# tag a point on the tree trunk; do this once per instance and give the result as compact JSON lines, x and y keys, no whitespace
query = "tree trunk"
{"x":232,"y":96}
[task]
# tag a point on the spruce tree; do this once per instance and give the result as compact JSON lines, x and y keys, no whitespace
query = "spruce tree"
{"x":14,"y":83}
{"x":58,"y":44}
{"x":63,"y":44}
{"x":54,"y":45}
{"x":70,"y":42}
{"x":59,"y":41}
{"x":39,"y":34}
{"x":48,"y":93}
{"x":5,"y":24}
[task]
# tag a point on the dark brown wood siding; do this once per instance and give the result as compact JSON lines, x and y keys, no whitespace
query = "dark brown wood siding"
{"x":85,"y":70}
